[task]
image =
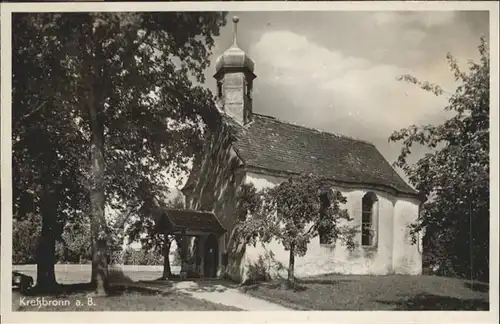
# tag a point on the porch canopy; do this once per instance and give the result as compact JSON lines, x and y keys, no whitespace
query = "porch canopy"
{"x":188,"y":222}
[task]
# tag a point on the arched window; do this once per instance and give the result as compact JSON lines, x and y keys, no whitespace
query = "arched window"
{"x":219,"y":89}
{"x":324,"y":231}
{"x":369,"y":210}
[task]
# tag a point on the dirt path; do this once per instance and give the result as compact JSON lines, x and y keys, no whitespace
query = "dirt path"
{"x":218,"y":292}
{"x":226,"y":295}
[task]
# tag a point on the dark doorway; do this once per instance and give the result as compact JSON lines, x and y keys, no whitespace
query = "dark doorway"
{"x":211,"y":257}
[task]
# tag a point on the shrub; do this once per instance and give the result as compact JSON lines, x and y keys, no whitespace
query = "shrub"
{"x":25,"y":235}
{"x":142,"y":257}
{"x":265,"y":268}
{"x":258,"y":271}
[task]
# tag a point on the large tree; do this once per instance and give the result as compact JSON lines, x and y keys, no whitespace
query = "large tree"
{"x":126,"y":86}
{"x":454,"y":175}
{"x":293,"y":213}
{"x":47,"y":148}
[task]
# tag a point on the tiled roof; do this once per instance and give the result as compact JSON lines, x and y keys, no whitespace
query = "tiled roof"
{"x":271,"y":144}
{"x":190,"y":220}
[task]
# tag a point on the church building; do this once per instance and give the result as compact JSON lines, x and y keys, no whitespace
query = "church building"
{"x":247,"y":147}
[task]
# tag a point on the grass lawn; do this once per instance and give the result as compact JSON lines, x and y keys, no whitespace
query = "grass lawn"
{"x":123,"y":300}
{"x":126,"y":295}
{"x":75,"y":273}
{"x":394,"y":292}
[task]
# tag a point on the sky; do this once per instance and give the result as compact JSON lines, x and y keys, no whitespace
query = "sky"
{"x":336,"y":71}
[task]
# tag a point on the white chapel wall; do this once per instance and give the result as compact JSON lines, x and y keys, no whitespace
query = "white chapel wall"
{"x":407,"y":257}
{"x":393,"y":251}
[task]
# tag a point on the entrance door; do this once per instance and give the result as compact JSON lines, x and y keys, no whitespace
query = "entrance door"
{"x":211,"y":257}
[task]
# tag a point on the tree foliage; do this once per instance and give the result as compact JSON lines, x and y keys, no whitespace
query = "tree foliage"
{"x":76,"y":246}
{"x":104,"y":105}
{"x":143,"y":230}
{"x":141,"y":257}
{"x":72,"y":247}
{"x":25,"y":235}
{"x":46,"y":146}
{"x":293,"y":213}
{"x":454,"y":175}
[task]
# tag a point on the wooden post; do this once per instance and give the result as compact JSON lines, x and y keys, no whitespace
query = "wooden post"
{"x":184,"y":253}
{"x":167,"y":272}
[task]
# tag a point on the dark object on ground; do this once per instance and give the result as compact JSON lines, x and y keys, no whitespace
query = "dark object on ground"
{"x":21,"y":281}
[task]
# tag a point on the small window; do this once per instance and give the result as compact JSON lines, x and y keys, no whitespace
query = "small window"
{"x":219,"y":89}
{"x":323,"y":231}
{"x":367,"y":219}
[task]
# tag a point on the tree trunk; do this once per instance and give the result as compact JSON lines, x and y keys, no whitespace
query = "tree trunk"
{"x":99,"y":233}
{"x":45,"y":272}
{"x":291,"y":265}
{"x":167,"y":272}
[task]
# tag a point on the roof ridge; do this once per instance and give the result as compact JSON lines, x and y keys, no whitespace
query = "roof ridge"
{"x":320,"y":131}
{"x":190,"y":210}
{"x":262,"y":115}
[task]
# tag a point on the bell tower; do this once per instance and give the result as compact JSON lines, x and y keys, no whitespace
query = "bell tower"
{"x":234,"y":75}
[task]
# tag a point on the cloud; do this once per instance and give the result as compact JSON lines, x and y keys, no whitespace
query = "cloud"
{"x":422,"y":19}
{"x":363,"y":98}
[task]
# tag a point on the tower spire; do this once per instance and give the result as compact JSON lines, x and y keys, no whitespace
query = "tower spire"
{"x":234,"y":75}
{"x":235,"y":32}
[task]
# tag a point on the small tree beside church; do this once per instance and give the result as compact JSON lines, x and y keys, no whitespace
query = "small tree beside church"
{"x":293,"y":213}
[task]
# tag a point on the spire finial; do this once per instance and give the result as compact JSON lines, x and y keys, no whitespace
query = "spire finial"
{"x":235,"y":23}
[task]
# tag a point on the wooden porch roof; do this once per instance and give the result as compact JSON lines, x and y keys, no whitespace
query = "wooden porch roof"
{"x":185,"y":221}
